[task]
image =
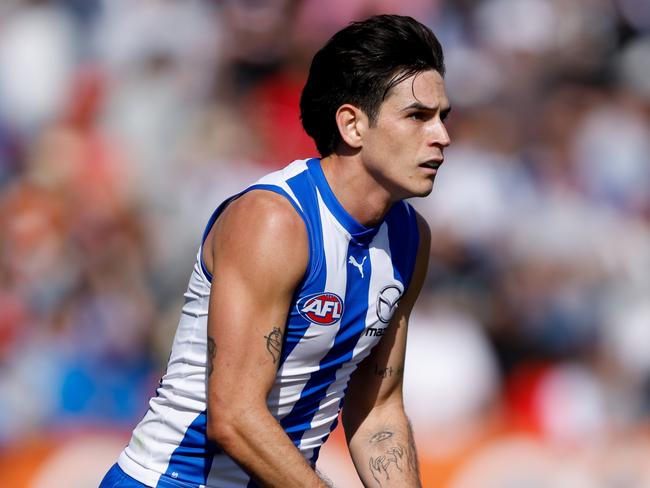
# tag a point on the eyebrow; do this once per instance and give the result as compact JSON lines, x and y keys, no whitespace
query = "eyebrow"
{"x":426,"y":108}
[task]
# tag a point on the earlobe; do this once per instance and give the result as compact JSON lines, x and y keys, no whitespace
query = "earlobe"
{"x":351,"y":122}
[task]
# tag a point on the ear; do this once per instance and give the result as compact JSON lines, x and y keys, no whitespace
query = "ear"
{"x":352,"y":123}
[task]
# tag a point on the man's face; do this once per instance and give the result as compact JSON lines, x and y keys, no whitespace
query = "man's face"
{"x":404,"y":148}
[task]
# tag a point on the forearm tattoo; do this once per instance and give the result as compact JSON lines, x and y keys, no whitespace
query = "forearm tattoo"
{"x":393,"y":457}
{"x":383,"y":466}
{"x":274,"y":343}
{"x":212,"y":352}
{"x":381,"y":436}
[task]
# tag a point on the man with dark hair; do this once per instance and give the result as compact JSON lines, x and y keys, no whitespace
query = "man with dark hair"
{"x":359,"y":65}
{"x":303,"y":285}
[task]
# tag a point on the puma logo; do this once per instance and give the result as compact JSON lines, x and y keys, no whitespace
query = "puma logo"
{"x":356,"y":264}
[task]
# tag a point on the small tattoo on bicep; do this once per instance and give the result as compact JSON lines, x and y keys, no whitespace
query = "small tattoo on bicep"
{"x":274,"y":343}
{"x":212,"y":352}
{"x":381,"y":436}
{"x":388,"y":371}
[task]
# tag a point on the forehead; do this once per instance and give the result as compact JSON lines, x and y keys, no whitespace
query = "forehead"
{"x":427,"y":88}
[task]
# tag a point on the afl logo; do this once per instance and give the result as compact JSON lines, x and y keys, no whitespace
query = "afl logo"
{"x":387,"y":301}
{"x":321,"y":308}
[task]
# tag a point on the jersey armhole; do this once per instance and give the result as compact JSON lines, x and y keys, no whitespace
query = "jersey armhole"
{"x":215,"y":215}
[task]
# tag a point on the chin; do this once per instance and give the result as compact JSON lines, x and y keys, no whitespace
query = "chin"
{"x":424,"y":193}
{"x":423,"y":190}
{"x":412,"y":189}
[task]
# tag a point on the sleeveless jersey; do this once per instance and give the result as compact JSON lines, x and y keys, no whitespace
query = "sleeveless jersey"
{"x":354,"y":279}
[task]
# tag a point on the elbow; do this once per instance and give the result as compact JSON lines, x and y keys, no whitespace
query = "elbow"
{"x":233,"y":420}
{"x":222,"y":430}
{"x":221,"y":427}
{"x":230,"y":426}
{"x":213,"y":430}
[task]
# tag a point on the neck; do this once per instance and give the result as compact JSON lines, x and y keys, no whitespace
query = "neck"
{"x":359,"y":193}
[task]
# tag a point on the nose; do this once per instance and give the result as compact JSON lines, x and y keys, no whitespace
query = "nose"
{"x":439,"y":135}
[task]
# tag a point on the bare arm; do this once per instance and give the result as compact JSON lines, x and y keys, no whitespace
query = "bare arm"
{"x":258,"y":253}
{"x":377,"y":430}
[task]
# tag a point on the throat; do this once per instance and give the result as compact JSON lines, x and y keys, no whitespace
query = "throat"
{"x":365,"y":202}
{"x":370,"y":215}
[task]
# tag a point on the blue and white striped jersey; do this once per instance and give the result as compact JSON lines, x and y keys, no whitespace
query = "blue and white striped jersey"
{"x":354,"y":279}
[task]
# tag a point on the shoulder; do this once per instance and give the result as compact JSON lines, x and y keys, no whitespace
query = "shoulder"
{"x":260,"y":210}
{"x":263,"y":229}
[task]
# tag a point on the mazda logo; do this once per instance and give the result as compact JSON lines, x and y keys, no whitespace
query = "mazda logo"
{"x":387,"y":301}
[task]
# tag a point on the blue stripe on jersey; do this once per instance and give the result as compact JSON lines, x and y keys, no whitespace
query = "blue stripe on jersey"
{"x":353,"y":323}
{"x":361,"y":234}
{"x":117,"y":477}
{"x":316,"y":275}
{"x":226,"y":202}
{"x":404,"y":240}
{"x":191,"y":460}
{"x":213,"y":219}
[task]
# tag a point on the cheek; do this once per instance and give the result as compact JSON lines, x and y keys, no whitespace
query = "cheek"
{"x":394,"y":141}
{"x":399,"y":136}
{"x":400,"y":128}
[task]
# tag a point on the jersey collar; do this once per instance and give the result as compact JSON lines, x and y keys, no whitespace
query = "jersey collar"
{"x":359,"y":232}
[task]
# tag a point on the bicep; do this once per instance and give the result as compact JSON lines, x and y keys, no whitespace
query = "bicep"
{"x":259,"y":254}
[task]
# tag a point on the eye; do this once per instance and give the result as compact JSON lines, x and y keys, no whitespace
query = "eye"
{"x":419,"y":116}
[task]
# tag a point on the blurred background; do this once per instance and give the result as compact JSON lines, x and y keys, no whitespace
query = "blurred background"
{"x":124,"y":123}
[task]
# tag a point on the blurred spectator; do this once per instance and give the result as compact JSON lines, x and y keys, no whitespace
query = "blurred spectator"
{"x":124,"y":123}
{"x":37,"y":57}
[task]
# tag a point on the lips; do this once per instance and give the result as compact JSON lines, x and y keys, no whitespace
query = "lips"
{"x":433,"y":164}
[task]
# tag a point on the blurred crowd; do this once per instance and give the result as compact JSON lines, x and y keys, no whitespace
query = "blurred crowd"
{"x":124,"y":123}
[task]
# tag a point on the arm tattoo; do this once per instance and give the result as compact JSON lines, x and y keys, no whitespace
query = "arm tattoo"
{"x":380,"y":465}
{"x":212,"y":352}
{"x":274,"y":343}
{"x":381,"y":436}
{"x":388,"y":371}
{"x":394,"y":459}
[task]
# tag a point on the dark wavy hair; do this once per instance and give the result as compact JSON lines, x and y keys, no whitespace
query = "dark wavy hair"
{"x":359,"y":65}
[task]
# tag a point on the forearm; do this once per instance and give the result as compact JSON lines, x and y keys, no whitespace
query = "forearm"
{"x":383,"y":450}
{"x":256,"y":441}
